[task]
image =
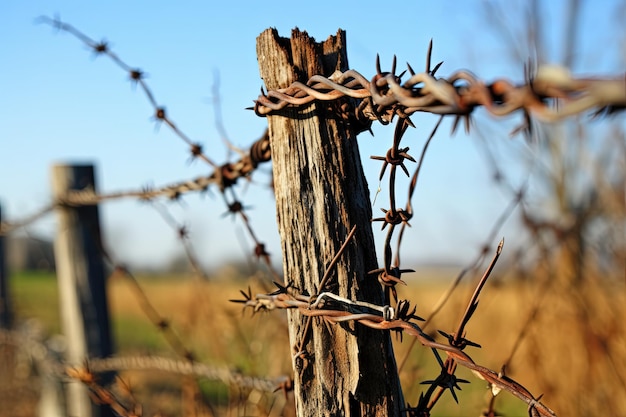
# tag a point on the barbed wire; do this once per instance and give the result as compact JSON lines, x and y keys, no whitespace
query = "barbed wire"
{"x":382,"y":100}
{"x":458,"y":95}
{"x":335,"y":309}
{"x":157,"y":320}
{"x":137,"y":77}
{"x":472,"y":266}
{"x":182,"y":233}
{"x":386,"y":96}
{"x":224,"y":176}
{"x":198,"y":369}
{"x":50,"y":363}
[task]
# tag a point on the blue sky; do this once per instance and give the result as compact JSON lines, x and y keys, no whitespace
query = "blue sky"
{"x":59,"y":103}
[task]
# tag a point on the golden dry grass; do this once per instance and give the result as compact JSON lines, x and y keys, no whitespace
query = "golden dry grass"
{"x":574,"y":350}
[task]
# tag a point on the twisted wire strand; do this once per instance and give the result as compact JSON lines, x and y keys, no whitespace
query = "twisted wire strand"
{"x":225,"y":175}
{"x":175,"y":366}
{"x":136,"y":76}
{"x":376,"y":319}
{"x":222,"y":178}
{"x":51,"y":363}
{"x":387,"y":96}
{"x":7,"y":227}
{"x":457,"y":95}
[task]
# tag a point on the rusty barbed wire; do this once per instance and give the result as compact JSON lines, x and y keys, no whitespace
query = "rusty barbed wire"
{"x":391,"y":273}
{"x":215,"y":373}
{"x":137,"y":77}
{"x":473,"y":265}
{"x":458,"y":95}
{"x":382,"y":100}
{"x":335,"y":309}
{"x":50,"y":363}
{"x":225,"y":176}
{"x":159,"y":322}
{"x":447,"y":378}
{"x":182,"y":233}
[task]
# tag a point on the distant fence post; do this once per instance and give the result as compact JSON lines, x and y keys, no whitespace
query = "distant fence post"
{"x":81,"y":280}
{"x":6,"y":314}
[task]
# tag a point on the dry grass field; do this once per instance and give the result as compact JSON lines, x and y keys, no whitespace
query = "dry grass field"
{"x":573,"y":363}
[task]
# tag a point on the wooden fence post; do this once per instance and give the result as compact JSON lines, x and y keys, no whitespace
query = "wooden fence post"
{"x":321,"y":193}
{"x":6,"y":314}
{"x":81,"y":279}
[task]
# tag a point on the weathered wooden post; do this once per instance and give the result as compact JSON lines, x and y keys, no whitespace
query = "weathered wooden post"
{"x":6,"y":317}
{"x":81,"y":279}
{"x":321,"y":193}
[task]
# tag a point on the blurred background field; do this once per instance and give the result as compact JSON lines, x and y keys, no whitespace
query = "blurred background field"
{"x":554,"y":311}
{"x":564,"y":355}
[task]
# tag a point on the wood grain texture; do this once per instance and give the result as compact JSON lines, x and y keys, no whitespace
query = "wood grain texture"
{"x":321,"y":193}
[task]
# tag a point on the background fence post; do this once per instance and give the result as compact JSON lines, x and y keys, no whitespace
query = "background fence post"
{"x":81,"y":279}
{"x":6,"y":314}
{"x":321,"y":193}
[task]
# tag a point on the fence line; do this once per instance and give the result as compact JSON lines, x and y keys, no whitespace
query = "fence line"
{"x":386,"y":97}
{"x":228,"y":174}
{"x":224,"y":176}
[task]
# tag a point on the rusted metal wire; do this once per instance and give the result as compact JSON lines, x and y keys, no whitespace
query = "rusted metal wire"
{"x":49,"y":363}
{"x":137,"y":77}
{"x":214,"y":373}
{"x":447,"y":378}
{"x":473,"y":265}
{"x":386,"y":95}
{"x":159,"y":322}
{"x":336,"y":309}
{"x":6,"y":227}
{"x":182,"y":233}
{"x":224,"y":176}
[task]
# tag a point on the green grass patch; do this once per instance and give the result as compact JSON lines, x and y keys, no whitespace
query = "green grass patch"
{"x":137,"y":335}
{"x":214,"y":392}
{"x":34,"y":294}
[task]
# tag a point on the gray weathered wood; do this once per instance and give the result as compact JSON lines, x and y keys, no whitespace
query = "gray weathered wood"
{"x":81,"y":279}
{"x":321,"y":193}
